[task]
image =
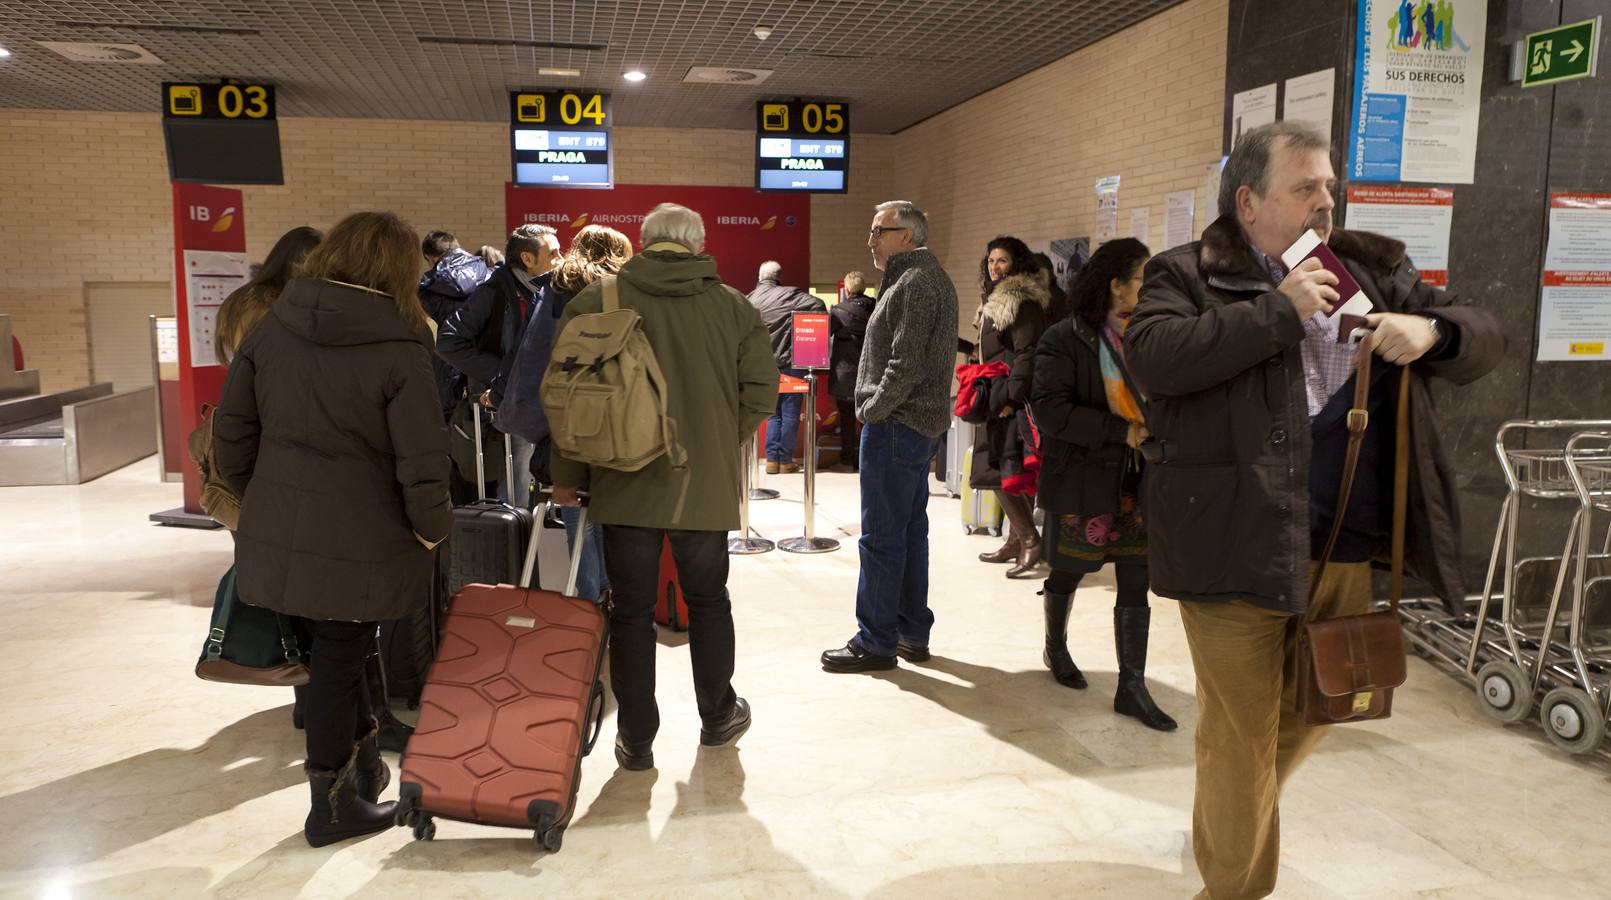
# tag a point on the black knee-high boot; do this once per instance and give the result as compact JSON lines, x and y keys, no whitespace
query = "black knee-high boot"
{"x":1056,"y":655}
{"x":1130,"y":626}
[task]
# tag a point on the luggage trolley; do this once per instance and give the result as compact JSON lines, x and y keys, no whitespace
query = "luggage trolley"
{"x":1575,"y":713}
{"x":1529,"y":647}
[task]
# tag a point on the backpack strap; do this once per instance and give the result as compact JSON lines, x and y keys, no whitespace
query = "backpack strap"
{"x":612,"y":294}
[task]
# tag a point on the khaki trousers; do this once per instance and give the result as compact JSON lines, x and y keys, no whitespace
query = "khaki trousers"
{"x":1249,"y":736}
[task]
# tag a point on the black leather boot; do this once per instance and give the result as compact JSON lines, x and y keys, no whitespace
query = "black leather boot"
{"x":337,"y":812}
{"x":1130,"y":625}
{"x":297,"y":690}
{"x":373,"y":775}
{"x":1056,"y":655}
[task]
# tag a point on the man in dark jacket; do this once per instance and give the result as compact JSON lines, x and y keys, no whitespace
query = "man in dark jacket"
{"x":482,"y":337}
{"x":847,"y":329}
{"x":1250,"y":387}
{"x":452,"y":277}
{"x":777,"y":304}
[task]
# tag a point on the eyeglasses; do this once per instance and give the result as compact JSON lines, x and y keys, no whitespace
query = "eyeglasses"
{"x":878,"y":230}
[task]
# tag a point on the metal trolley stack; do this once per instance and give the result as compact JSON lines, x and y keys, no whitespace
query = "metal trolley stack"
{"x":1531,"y":656}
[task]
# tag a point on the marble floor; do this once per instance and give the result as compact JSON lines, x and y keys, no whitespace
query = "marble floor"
{"x":975,"y":775}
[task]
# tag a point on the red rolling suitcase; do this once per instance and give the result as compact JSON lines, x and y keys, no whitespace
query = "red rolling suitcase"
{"x":512,"y":704}
{"x":671,"y":607}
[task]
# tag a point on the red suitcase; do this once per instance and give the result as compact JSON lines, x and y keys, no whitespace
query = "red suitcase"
{"x":512,"y":704}
{"x":671,"y":607}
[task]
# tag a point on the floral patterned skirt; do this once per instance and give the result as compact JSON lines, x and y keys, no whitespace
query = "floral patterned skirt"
{"x":1082,"y":544}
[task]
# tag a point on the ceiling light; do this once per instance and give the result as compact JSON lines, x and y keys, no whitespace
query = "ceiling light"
{"x":4,"y":53}
{"x":762,"y":32}
{"x":566,"y":73}
{"x":634,"y":75}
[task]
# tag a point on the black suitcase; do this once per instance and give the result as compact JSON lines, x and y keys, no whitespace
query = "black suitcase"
{"x":488,"y":540}
{"x":408,"y":645}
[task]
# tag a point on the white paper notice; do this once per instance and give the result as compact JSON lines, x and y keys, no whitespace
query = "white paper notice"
{"x":1574,"y":322}
{"x":210,"y":276}
{"x":1139,"y":222}
{"x":1107,"y":208}
{"x":167,"y":340}
{"x":1250,"y":109}
{"x":1179,"y":208}
{"x":1308,"y":100}
{"x":1420,"y":217}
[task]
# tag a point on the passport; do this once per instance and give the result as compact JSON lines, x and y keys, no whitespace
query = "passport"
{"x":1349,"y":313}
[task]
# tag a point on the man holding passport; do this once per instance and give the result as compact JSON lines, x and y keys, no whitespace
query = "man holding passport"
{"x":1249,"y":369}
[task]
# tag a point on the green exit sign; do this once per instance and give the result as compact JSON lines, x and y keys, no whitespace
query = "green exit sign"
{"x":1561,"y":54}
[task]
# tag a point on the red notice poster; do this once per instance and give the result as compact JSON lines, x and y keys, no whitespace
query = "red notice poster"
{"x":209,"y":243}
{"x":811,"y":346}
{"x":743,"y":228}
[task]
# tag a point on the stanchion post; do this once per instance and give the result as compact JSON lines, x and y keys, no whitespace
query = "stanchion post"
{"x":744,"y":544}
{"x":810,"y":543}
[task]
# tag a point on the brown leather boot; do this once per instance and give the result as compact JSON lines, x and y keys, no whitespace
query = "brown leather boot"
{"x":1008,"y":552}
{"x":1028,"y":559}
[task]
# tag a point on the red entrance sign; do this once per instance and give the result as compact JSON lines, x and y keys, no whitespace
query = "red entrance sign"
{"x":742,"y":228}
{"x":788,"y":384}
{"x":811,"y":347}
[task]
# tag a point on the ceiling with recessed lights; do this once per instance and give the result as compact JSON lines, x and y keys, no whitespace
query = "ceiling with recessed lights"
{"x":896,"y":62}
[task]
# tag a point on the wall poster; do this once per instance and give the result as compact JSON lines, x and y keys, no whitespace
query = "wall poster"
{"x":1418,"y":216}
{"x":1574,"y":318}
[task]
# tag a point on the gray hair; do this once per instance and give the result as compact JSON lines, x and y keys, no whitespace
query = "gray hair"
{"x":771,"y":270}
{"x":1250,"y":158}
{"x":677,"y":224}
{"x":907,"y":215}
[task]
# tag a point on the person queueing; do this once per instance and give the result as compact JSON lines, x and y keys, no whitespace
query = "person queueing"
{"x":847,"y":329}
{"x":248,"y":304}
{"x":1092,"y":426}
{"x":596,"y":251}
{"x":330,"y":432}
{"x":1015,"y":301}
{"x":778,"y":303}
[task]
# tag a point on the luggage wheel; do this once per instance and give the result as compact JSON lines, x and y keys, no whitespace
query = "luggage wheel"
{"x":424,"y":828}
{"x":550,"y":840}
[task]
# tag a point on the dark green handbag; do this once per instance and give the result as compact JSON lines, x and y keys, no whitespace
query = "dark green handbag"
{"x":248,"y":644}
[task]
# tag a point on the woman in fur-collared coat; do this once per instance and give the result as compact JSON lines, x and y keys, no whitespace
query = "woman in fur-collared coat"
{"x":1014,"y":313}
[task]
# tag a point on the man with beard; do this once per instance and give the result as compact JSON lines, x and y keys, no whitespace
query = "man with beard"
{"x":1250,"y":382}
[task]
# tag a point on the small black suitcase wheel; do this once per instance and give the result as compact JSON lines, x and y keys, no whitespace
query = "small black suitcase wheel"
{"x":425,"y":830}
{"x":552,"y":839}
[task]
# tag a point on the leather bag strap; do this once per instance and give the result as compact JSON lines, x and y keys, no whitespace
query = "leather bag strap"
{"x":1401,"y":485}
{"x":1358,"y":421}
{"x":612,"y":294}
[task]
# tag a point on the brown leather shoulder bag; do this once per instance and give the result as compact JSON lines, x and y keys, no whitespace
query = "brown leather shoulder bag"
{"x":1349,"y":666}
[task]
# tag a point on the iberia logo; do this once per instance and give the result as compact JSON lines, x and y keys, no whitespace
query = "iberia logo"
{"x":1427,"y":25}
{"x":771,"y":223}
{"x":225,"y":221}
{"x":580,"y":221}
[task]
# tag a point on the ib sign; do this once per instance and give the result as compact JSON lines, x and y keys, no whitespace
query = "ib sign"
{"x":811,"y":345}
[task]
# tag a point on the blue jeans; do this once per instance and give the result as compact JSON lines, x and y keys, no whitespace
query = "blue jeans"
{"x":784,"y":426}
{"x":892,"y":598}
{"x":590,"y":579}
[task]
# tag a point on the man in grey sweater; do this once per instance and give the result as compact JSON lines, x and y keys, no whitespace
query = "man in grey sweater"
{"x":903,"y":394}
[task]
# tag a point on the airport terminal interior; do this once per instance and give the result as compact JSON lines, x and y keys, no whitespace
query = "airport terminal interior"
{"x":1441,"y":163}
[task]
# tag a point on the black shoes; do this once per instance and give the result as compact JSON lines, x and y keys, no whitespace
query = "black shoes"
{"x":633,"y":759}
{"x":337,"y":812}
{"x":1056,"y":654}
{"x":738,"y":722}
{"x":852,"y":658}
{"x":372,"y":773}
{"x":1130,"y":626}
{"x":913,"y":653}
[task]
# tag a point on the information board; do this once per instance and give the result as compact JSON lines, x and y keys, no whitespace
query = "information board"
{"x":561,"y":139}
{"x":811,"y":345}
{"x":1574,"y":322}
{"x":803,"y":146}
{"x":222,"y":133}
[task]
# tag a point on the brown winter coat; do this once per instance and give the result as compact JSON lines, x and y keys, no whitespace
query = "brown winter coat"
{"x":1014,"y":316}
{"x":331,"y":433}
{"x":1217,"y":349}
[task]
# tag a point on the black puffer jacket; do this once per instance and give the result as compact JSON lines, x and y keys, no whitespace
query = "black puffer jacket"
{"x":847,"y":328}
{"x":1012,"y":320}
{"x":1084,"y":456}
{"x":329,"y":432}
{"x":777,"y":304}
{"x":443,"y":289}
{"x":482,"y":336}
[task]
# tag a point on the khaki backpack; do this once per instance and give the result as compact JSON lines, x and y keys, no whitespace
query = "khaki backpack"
{"x":217,"y":500}
{"x":604,"y":394}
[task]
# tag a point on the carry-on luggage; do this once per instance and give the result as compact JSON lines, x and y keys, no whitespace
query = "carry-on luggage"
{"x":488,"y":535}
{"x":671,"y":607}
{"x":958,"y":441}
{"x":980,"y":509}
{"x":513,"y":703}
{"x":407,"y":645}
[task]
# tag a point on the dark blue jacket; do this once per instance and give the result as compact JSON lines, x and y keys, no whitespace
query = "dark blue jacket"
{"x":521,"y":412}
{"x":442,"y":290}
{"x":480,"y":338}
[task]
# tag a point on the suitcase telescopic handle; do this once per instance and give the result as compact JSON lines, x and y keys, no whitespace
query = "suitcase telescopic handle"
{"x":480,"y":458}
{"x":530,"y":564}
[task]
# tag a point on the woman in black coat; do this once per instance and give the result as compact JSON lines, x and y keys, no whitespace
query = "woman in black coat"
{"x":1013,"y":311}
{"x":330,"y":432}
{"x":1092,"y":425}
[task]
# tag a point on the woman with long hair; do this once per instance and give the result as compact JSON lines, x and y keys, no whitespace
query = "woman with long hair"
{"x":596,"y":251}
{"x":1014,"y":306}
{"x":1092,"y":424}
{"x":330,"y":432}
{"x":246,"y":305}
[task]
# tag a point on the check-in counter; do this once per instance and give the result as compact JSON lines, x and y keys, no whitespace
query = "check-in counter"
{"x":74,"y":436}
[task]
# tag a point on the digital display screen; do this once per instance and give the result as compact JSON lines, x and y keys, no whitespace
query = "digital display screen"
{"x":561,"y":139}
{"x":802,"y":146}
{"x":223,"y":151}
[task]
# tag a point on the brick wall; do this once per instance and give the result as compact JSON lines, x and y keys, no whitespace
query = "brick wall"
{"x":1145,"y":104}
{"x":85,"y":197}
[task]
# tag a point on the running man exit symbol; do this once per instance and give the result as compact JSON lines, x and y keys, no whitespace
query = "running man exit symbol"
{"x":1562,"y":54}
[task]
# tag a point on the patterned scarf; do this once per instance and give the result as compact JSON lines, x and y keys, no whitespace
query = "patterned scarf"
{"x":1120,"y":401}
